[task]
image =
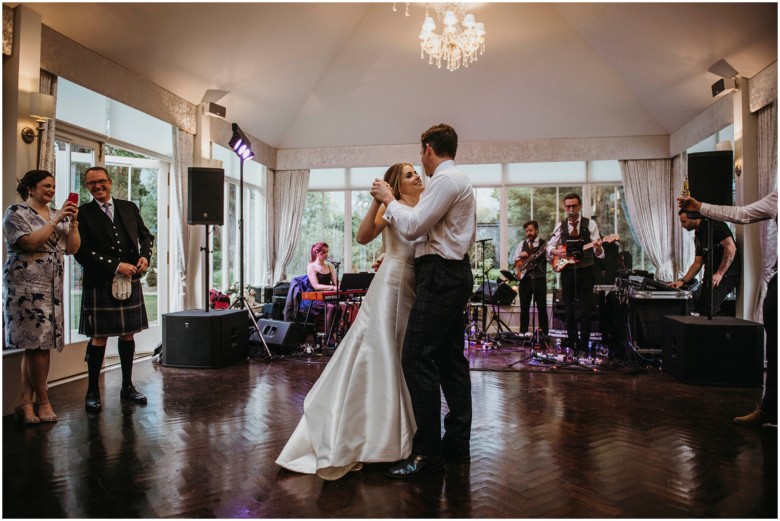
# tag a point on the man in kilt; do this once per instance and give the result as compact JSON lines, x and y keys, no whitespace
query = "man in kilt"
{"x":114,"y":241}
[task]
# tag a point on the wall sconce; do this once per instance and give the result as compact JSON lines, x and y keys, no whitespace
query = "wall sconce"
{"x":41,"y":110}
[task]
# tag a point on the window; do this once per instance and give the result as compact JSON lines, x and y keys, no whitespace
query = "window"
{"x":89,"y":129}
{"x":323,"y":221}
{"x":225,"y":239}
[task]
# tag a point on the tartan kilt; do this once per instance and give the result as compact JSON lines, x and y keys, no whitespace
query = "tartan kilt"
{"x":103,"y":316}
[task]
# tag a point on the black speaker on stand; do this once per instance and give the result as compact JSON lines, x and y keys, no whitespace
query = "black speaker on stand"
{"x":711,"y":177}
{"x":205,"y":196}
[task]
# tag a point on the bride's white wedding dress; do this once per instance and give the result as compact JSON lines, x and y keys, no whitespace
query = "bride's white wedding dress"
{"x":359,"y":409}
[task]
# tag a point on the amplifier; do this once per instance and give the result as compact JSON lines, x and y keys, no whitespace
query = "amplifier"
{"x":646,"y":313}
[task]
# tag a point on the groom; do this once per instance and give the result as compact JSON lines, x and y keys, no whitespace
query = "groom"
{"x":444,"y":221}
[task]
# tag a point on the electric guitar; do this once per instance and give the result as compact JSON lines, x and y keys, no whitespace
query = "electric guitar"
{"x":558,"y":263}
{"x":522,"y":266}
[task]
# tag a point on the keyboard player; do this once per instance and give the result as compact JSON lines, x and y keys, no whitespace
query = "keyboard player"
{"x":322,"y":277}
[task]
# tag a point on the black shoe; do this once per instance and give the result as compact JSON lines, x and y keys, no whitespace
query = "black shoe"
{"x":456,"y":455}
{"x":131,"y":394}
{"x":92,"y":402}
{"x":413,"y":466}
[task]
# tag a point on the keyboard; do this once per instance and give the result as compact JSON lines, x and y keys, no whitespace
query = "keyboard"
{"x":325,"y":296}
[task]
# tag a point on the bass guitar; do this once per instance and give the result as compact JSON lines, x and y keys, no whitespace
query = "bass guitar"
{"x":522,"y":266}
{"x":558,"y":263}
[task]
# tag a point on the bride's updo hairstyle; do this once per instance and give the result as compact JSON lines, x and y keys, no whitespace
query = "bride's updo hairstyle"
{"x":393,"y":177}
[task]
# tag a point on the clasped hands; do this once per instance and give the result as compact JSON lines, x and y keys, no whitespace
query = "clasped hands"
{"x":382,"y":192}
{"x":129,"y":270}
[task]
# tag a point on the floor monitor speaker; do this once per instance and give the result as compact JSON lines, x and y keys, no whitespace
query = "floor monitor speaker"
{"x":203,"y":339}
{"x":205,"y":196}
{"x":711,"y":178}
{"x":282,"y":337}
{"x":721,"y":351}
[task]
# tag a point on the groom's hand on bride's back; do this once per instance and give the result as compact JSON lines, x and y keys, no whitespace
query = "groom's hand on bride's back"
{"x":378,"y":262}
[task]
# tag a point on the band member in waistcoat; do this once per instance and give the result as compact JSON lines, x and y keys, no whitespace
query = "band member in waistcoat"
{"x":531,"y":269}
{"x":577,"y":279}
{"x":114,"y":241}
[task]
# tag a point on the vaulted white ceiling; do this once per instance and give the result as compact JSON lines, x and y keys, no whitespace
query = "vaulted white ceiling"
{"x":301,"y":75}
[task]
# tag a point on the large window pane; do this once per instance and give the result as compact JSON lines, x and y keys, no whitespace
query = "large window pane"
{"x":323,"y":220}
{"x":362,"y":256}
{"x":488,"y":234}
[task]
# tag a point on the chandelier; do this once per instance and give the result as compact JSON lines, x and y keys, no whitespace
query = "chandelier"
{"x":455,"y":45}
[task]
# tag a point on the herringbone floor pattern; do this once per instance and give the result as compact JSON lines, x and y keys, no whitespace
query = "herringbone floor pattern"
{"x":545,"y":444}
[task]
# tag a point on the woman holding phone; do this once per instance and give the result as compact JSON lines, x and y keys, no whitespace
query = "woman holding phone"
{"x":37,"y":238}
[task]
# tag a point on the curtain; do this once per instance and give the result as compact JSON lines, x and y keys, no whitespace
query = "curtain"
{"x":48,"y":85}
{"x":767,"y":181}
{"x":290,"y":188}
{"x":270,"y":226}
{"x":183,"y":145}
{"x":651,"y":207}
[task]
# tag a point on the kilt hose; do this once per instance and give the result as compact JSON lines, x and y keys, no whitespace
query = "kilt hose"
{"x":433,"y":361}
{"x":103,"y":316}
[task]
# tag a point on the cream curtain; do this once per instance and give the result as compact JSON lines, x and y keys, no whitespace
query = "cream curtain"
{"x":290,"y":188}
{"x":48,"y":85}
{"x":183,"y":145}
{"x":651,"y":207}
{"x":767,"y":181}
{"x":270,"y":238}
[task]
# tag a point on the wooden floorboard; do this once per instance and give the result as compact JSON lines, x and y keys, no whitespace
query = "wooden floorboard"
{"x":546,"y":443}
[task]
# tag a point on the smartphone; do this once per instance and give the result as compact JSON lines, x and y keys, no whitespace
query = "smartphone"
{"x":73,"y":197}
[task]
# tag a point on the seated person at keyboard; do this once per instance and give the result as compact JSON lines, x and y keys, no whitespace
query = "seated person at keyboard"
{"x":322,"y":277}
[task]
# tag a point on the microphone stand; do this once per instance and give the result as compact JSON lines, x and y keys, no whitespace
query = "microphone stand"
{"x":329,"y":327}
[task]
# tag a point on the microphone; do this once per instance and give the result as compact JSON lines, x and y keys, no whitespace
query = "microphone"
{"x":336,"y":264}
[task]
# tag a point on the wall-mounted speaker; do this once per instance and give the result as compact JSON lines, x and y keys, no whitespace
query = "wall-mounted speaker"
{"x":711,"y":177}
{"x":205,"y":196}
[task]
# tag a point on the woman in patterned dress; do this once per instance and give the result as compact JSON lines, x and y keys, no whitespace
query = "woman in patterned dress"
{"x":37,"y":237}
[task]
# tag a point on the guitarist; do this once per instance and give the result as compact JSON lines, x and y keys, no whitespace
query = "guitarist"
{"x":577,"y":279}
{"x":531,"y":270}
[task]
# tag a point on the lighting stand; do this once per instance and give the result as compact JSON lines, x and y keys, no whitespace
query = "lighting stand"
{"x":241,"y":298}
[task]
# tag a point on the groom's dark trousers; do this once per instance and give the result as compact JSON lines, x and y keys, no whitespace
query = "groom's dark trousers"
{"x":433,"y":354}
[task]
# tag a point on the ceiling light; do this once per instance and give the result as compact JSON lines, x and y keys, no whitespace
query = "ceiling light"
{"x":462,"y":39}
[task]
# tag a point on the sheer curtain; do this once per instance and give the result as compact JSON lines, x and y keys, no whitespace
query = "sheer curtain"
{"x":270,"y":243}
{"x":290,"y":188}
{"x":651,"y":207}
{"x":183,"y":146}
{"x":767,"y":181}
{"x":48,"y":85}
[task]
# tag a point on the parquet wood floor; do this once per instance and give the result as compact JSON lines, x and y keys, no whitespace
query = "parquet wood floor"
{"x":545,"y":444}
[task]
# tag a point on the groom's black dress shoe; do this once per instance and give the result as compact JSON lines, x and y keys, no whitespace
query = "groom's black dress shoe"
{"x":456,"y":455}
{"x":92,"y":402}
{"x":131,"y":394}
{"x":415,"y":465}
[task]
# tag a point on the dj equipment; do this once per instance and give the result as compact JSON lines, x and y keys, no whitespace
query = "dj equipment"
{"x":204,"y":339}
{"x":647,"y":310}
{"x":717,"y":351}
{"x":327,"y":296}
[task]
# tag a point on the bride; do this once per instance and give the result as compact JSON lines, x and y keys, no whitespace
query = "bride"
{"x":359,"y":410}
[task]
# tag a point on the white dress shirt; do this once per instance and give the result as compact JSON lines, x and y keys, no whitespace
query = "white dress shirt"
{"x":761,"y":210}
{"x":445,"y":218}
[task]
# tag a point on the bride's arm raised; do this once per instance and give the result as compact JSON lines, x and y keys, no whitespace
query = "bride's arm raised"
{"x":372,"y":224}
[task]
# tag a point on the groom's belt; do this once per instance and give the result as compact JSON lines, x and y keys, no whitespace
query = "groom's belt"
{"x":332,"y":295}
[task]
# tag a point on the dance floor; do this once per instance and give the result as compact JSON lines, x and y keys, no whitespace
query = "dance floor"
{"x":547,"y":442}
